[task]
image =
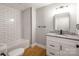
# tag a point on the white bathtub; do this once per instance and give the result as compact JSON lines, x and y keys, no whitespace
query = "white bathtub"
{"x":18,"y":44}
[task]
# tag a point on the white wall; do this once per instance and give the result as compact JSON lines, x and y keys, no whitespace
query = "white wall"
{"x":33,"y":25}
{"x":10,"y":25}
{"x":77,"y":13}
{"x":26,"y":24}
{"x":45,"y":18}
{"x":29,"y":24}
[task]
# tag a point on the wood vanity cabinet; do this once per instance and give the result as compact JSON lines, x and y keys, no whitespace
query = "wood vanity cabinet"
{"x":58,"y":46}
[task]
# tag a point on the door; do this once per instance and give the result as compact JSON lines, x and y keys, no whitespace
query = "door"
{"x":68,"y":50}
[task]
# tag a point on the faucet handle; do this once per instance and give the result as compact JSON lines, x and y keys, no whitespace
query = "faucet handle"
{"x":60,"y":31}
{"x":77,"y":46}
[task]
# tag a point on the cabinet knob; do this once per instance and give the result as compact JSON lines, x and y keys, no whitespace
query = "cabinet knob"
{"x":77,"y":46}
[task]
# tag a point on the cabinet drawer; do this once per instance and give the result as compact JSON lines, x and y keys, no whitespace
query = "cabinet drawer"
{"x":53,"y":45}
{"x":70,"y":43}
{"x":52,"y":52}
{"x":55,"y":39}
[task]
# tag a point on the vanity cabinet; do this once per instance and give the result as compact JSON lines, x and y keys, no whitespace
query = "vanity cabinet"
{"x":58,"y":46}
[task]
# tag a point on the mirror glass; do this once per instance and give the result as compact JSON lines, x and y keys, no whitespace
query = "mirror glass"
{"x":61,"y":21}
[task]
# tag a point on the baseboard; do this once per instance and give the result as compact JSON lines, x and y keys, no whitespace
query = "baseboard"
{"x":40,"y":45}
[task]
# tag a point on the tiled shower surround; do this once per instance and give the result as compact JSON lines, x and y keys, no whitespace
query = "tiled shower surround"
{"x":10,"y":27}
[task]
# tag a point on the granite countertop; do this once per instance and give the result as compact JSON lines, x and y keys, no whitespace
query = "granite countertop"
{"x":66,"y":36}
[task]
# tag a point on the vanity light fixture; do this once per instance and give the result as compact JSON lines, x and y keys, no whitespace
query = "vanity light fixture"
{"x":62,"y":7}
{"x":66,"y":5}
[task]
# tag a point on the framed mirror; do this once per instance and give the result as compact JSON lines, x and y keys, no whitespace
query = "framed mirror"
{"x":62,"y":22}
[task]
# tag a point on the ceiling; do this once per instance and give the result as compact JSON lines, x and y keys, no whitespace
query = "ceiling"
{"x":22,"y":6}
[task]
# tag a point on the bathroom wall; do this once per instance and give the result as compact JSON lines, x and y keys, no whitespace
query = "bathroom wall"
{"x":26,"y":24}
{"x":10,"y":25}
{"x":29,"y":24}
{"x":33,"y":25}
{"x":45,"y":18}
{"x":77,"y":13}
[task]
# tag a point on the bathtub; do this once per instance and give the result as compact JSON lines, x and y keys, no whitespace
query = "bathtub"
{"x":17,"y":44}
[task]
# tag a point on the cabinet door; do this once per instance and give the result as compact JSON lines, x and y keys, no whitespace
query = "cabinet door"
{"x":68,"y":50}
